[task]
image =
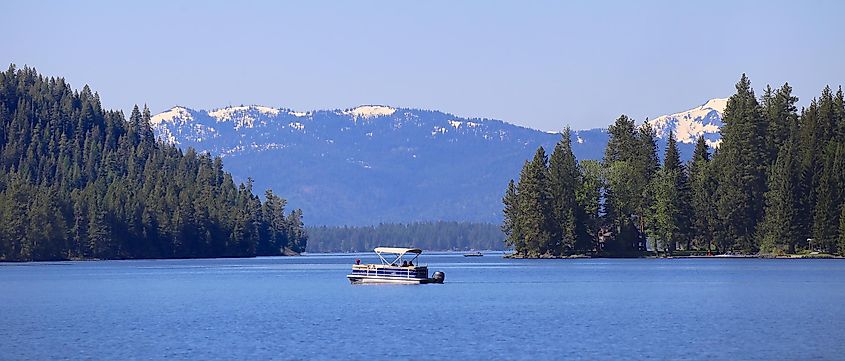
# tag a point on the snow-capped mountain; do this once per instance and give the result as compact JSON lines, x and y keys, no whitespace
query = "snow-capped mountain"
{"x":705,"y":120}
{"x":376,"y":163}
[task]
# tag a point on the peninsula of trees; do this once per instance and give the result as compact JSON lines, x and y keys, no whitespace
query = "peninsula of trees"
{"x":774,"y":185}
{"x":80,"y":182}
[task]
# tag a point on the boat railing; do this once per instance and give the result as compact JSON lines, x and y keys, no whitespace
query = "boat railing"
{"x":383,"y":271}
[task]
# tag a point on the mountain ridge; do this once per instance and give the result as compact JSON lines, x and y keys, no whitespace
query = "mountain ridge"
{"x":376,"y":163}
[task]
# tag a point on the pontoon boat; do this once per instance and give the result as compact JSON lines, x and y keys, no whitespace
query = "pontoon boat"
{"x":396,"y":268}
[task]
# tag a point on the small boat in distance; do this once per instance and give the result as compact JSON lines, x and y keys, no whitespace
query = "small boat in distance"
{"x":473,"y":254}
{"x":395,"y":269}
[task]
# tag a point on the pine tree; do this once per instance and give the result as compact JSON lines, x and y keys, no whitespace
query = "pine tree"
{"x":621,"y":196}
{"x":591,"y":183}
{"x":780,"y":228}
{"x":274,"y":219}
{"x":535,"y":206}
{"x":741,"y":162}
{"x":511,"y":225}
{"x":80,"y":181}
{"x":298,"y":236}
{"x":809,"y":167}
{"x":829,"y":190}
{"x":827,"y":117}
{"x":630,"y":162}
{"x":672,"y":199}
{"x":839,"y":114}
{"x":563,"y":183}
{"x":841,"y":243}
{"x":622,"y":143}
{"x":646,"y":166}
{"x":702,"y":193}
{"x":439,"y":235}
{"x":829,"y":201}
{"x":781,"y":116}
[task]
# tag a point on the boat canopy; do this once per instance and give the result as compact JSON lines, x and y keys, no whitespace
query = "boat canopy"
{"x":395,"y":250}
{"x":399,"y":252}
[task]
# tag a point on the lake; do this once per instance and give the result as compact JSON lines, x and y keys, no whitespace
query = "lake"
{"x":489,"y":308}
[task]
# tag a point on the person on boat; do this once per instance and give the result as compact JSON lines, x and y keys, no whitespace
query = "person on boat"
{"x":404,"y":263}
{"x":358,"y":261}
{"x":411,"y":264}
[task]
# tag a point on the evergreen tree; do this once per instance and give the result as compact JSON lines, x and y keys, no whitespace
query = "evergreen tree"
{"x":622,"y":143}
{"x":536,"y":220}
{"x":276,"y":238}
{"x":588,"y":196}
{"x":437,"y":236}
{"x":672,"y":202}
{"x":620,"y":194}
{"x":776,"y":179}
{"x":781,"y":116}
{"x":702,"y":194}
{"x":511,"y":226}
{"x":829,"y":193}
{"x":841,"y":243}
{"x":780,"y":228}
{"x":78,"y":181}
{"x":809,"y":167}
{"x":741,"y":161}
{"x":563,"y":182}
{"x":646,"y":165}
{"x":298,"y":236}
{"x":630,"y":164}
{"x":829,"y":169}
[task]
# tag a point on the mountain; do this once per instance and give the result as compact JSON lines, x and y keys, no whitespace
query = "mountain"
{"x":375,"y":164}
{"x":704,"y":120}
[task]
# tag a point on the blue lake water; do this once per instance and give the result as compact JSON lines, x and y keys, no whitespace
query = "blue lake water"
{"x":489,"y":308}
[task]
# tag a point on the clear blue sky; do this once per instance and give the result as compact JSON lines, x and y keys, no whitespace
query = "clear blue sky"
{"x":542,"y":64}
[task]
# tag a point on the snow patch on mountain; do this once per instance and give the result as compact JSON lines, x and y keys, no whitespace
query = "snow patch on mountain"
{"x":719,"y":104}
{"x":691,"y":124}
{"x":175,"y":114}
{"x":267,"y":110}
{"x":226,"y":114}
{"x":243,"y":116}
{"x":166,"y":136}
{"x":370,"y":111}
{"x":713,"y":143}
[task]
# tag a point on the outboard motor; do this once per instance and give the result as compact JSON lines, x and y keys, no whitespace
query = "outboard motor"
{"x":438,"y":277}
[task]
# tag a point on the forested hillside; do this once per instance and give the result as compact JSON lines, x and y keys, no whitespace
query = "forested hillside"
{"x":81,"y":182}
{"x":430,"y":236}
{"x":776,"y":185}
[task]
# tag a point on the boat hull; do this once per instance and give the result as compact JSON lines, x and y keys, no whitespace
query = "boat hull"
{"x":362,"y":279}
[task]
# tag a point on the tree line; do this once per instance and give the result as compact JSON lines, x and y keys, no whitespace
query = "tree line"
{"x":775,"y":184}
{"x":81,"y":182}
{"x":434,"y":236}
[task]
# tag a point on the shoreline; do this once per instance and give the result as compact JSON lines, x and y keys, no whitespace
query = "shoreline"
{"x":286,"y":253}
{"x":505,"y":255}
{"x":652,"y":256}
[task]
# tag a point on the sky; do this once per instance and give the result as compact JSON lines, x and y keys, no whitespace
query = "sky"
{"x":541,"y":64}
